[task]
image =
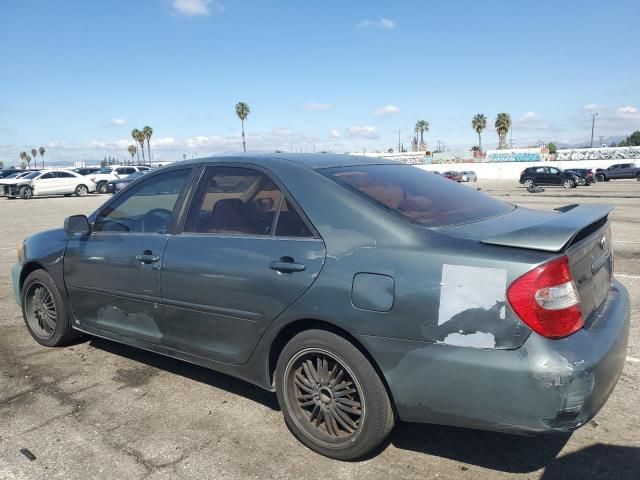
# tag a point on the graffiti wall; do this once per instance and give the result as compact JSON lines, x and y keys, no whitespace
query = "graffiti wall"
{"x":610,"y":153}
{"x":517,"y":155}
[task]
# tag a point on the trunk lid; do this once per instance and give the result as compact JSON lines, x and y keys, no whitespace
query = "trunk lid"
{"x":579,"y":231}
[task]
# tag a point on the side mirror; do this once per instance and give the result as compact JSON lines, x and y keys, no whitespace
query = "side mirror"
{"x":77,"y":224}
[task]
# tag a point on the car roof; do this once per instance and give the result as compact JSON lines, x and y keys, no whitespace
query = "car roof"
{"x":311,"y":160}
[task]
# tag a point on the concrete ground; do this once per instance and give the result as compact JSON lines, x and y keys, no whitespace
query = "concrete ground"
{"x":102,"y":410}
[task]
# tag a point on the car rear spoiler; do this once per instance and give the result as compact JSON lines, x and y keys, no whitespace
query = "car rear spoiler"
{"x":555,"y":234}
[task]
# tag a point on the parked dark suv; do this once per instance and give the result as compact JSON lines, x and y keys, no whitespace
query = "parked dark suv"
{"x":533,"y":176}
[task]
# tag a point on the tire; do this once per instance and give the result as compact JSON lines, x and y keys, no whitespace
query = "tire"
{"x":81,"y":191}
{"x":529,"y":183}
{"x":101,"y":187}
{"x":26,"y":193}
{"x":582,"y":182}
{"x":599,"y":177}
{"x":568,"y":183}
{"x":638,"y":177}
{"x":45,"y":311}
{"x":348,"y":431}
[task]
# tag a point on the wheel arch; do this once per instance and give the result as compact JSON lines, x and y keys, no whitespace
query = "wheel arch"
{"x":295,"y":327}
{"x":27,"y":269}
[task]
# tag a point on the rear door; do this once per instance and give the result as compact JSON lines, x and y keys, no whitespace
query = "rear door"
{"x":113,"y":274}
{"x":246,"y":253}
{"x":65,"y":183}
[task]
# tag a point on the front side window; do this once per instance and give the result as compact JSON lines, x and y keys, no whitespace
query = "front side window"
{"x":242,"y":201}
{"x":414,"y":194}
{"x":146,"y":208}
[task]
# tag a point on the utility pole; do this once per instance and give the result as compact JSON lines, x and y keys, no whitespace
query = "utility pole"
{"x":399,"y":146}
{"x":593,"y":124}
{"x":601,"y":139}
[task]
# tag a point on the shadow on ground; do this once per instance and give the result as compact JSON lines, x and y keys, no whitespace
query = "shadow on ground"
{"x":190,"y":371}
{"x":490,"y":450}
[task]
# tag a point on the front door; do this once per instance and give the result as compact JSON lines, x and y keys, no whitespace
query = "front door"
{"x":113,"y":274}
{"x":45,"y":184}
{"x":247,"y":252}
{"x":555,"y":177}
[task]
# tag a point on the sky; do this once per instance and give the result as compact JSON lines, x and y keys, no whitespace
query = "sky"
{"x":77,"y":76}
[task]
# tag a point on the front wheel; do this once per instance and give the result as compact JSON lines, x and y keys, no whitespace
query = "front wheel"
{"x":568,"y":183}
{"x":45,"y":312}
{"x":26,"y":193}
{"x":101,"y":187}
{"x":600,"y":178}
{"x":81,"y":190}
{"x":331,"y":397}
{"x":638,"y":177}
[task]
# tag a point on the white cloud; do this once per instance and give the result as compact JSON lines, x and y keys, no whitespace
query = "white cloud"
{"x":118,"y":122}
{"x":194,"y":8}
{"x":367,"y":132}
{"x":335,"y":133}
{"x":628,"y":110}
{"x":531,"y":121}
{"x":318,"y":107}
{"x":591,"y":107}
{"x":382,"y":23}
{"x":386,"y":110}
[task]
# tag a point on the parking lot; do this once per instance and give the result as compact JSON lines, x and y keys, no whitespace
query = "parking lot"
{"x":102,"y":410}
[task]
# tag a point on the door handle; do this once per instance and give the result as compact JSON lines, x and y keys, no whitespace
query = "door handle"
{"x":287,"y":265}
{"x":147,"y":258}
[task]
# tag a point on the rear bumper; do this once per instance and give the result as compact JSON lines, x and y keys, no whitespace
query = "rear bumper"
{"x":543,"y":386}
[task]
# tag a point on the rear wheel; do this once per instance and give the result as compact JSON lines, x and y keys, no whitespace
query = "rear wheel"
{"x":582,"y":182}
{"x":600,"y":177}
{"x":81,"y":190}
{"x":529,"y":183}
{"x":26,"y":193}
{"x":331,"y":397}
{"x":101,"y":187}
{"x":638,"y":177}
{"x":568,"y":183}
{"x":45,"y":312}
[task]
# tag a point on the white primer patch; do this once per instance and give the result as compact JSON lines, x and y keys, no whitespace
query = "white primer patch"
{"x":464,"y":287}
{"x":475,"y":340}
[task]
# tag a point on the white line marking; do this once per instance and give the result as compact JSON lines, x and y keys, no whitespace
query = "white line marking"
{"x":633,"y":359}
{"x":625,"y":241}
{"x":622,"y":275}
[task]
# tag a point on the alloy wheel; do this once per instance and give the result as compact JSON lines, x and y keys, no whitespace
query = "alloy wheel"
{"x":40,"y":310}
{"x":324,"y":396}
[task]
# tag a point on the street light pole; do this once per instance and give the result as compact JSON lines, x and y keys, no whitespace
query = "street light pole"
{"x":593,"y":124}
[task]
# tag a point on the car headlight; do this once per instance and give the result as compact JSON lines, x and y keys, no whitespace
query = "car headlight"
{"x":20,"y":252}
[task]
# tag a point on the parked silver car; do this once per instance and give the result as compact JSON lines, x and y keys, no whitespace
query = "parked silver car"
{"x":469,"y":176}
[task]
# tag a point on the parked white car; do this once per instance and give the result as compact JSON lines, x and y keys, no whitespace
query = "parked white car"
{"x":48,"y":182}
{"x":113,"y":172}
{"x":469,"y":176}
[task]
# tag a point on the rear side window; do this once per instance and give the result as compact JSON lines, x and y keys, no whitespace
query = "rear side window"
{"x":242,"y":201}
{"x":413,"y":193}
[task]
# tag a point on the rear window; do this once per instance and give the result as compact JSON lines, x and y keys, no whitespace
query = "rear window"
{"x":417,"y":195}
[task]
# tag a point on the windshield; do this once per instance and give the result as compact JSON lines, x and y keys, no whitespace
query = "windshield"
{"x":105,"y":170}
{"x":31,"y":175}
{"x":418,"y":195}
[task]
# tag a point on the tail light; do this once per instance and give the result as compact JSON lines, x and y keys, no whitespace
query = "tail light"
{"x":547,"y":300}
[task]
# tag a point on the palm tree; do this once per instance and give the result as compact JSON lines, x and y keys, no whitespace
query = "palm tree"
{"x":23,"y":159}
{"x":42,"y":150}
{"x":136,"y":134}
{"x":132,"y":149}
{"x":27,"y":159}
{"x":242,"y":111}
{"x":421,"y":127}
{"x":34,"y":154}
{"x":503,"y":124}
{"x":479,"y":123}
{"x":147,"y":131}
